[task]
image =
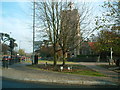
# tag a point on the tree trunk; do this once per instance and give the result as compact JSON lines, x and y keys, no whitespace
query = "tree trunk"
{"x":109,"y":61}
{"x":55,"y":62}
{"x":63,"y":61}
{"x":63,"y":58}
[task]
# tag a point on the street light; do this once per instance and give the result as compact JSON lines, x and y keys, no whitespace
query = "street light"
{"x":33,"y":30}
{"x":0,"y":44}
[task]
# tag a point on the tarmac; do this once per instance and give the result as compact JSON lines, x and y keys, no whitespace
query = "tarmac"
{"x":19,"y":71}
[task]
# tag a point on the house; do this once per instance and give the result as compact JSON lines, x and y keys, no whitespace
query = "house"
{"x":87,"y":48}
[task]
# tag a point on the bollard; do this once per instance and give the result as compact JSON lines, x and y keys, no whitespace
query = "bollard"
{"x":45,"y":63}
{"x":69,"y":68}
{"x":61,"y":68}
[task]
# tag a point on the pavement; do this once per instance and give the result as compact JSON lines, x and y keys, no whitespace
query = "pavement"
{"x":19,"y":71}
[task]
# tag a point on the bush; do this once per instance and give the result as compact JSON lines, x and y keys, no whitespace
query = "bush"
{"x":87,"y":55}
{"x":117,"y":62}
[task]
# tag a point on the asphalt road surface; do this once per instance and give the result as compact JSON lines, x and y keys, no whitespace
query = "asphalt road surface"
{"x":9,"y":83}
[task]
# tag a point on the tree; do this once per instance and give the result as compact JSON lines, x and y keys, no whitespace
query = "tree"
{"x":69,"y":37}
{"x":113,"y":12}
{"x":109,"y":23}
{"x":21,"y":52}
{"x":5,"y":48}
{"x":12,"y":45}
{"x":50,"y":19}
{"x":107,"y":40}
{"x":110,"y":17}
{"x":5,"y":38}
{"x":49,"y":11}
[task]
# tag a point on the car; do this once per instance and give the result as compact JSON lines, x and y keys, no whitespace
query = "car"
{"x":6,"y":58}
{"x":5,"y":61}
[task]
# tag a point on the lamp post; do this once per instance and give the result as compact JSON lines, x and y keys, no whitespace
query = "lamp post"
{"x":111,"y":53}
{"x":0,"y":44}
{"x":33,"y":30}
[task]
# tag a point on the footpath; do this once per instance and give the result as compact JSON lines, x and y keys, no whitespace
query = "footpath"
{"x":19,"y":71}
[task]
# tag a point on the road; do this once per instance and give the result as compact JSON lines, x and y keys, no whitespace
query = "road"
{"x":9,"y":83}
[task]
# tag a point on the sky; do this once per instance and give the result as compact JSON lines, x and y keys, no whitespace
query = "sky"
{"x":16,"y":20}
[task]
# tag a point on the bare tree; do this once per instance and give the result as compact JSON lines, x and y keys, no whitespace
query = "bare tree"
{"x":69,"y":37}
{"x":48,"y":13}
{"x":61,"y":29}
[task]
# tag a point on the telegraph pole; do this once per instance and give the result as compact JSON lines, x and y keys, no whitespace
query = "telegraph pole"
{"x":0,"y":44}
{"x":33,"y":30}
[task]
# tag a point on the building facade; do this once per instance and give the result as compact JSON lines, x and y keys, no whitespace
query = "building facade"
{"x":71,"y":29}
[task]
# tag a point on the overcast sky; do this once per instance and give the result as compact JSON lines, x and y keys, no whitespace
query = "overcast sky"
{"x":16,"y":18}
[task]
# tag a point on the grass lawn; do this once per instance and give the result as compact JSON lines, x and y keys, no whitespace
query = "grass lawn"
{"x":50,"y":62}
{"x":76,"y":69}
{"x":87,"y":72}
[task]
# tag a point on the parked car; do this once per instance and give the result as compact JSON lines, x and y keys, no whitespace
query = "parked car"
{"x":6,"y":58}
{"x":23,"y":58}
{"x":5,"y":61}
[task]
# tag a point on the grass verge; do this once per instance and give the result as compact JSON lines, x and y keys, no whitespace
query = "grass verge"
{"x":76,"y":69}
{"x":50,"y":62}
{"x":88,"y":73}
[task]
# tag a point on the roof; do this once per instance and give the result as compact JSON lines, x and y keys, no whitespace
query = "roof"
{"x":91,"y":44}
